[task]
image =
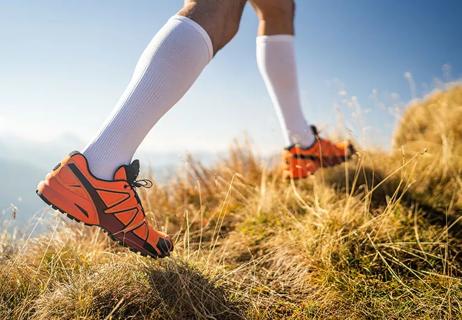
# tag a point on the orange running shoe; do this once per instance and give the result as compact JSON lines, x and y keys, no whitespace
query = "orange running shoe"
{"x":114,"y":205}
{"x":301,"y":162}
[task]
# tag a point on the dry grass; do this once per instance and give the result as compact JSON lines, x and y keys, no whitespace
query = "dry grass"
{"x":377,"y":238}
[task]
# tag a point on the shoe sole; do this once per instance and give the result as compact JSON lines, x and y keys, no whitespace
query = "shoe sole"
{"x":111,"y":236}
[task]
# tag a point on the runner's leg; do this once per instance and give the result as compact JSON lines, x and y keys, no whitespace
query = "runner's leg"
{"x":276,"y":62}
{"x":166,"y":70}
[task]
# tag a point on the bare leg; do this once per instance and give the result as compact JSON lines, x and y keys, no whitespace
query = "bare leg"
{"x":275,"y":16}
{"x":220,"y":18}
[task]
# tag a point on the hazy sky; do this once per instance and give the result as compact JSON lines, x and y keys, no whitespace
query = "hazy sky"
{"x":63,"y":65}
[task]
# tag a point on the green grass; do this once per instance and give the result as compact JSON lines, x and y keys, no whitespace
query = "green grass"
{"x":377,"y":238}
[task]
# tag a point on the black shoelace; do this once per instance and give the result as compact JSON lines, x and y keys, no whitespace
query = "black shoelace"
{"x":142,"y":183}
{"x":133,"y":171}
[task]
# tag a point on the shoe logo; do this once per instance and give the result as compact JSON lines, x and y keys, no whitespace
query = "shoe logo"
{"x":99,"y":203}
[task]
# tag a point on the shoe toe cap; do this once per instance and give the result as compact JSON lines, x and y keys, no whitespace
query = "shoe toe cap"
{"x":165,"y":246}
{"x":162,"y":248}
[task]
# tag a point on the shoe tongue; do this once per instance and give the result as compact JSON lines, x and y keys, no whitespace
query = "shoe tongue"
{"x":128,"y":172}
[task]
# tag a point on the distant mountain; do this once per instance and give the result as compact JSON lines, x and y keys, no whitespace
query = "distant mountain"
{"x":42,"y":155}
{"x":17,"y":189}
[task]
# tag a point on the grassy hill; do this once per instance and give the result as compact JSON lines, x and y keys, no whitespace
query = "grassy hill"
{"x":378,"y":238}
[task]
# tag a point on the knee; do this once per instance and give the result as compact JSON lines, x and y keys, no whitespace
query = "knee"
{"x":227,"y":27}
{"x":219,"y":18}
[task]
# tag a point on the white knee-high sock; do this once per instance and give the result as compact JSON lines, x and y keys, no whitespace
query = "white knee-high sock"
{"x":166,"y":70}
{"x":276,"y":62}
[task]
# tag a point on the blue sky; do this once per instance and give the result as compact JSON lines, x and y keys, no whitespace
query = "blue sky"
{"x":63,"y":65}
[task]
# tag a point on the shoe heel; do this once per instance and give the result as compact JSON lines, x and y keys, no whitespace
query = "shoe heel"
{"x":60,"y":202}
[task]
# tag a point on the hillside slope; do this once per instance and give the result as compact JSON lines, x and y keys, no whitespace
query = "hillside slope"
{"x":378,"y":238}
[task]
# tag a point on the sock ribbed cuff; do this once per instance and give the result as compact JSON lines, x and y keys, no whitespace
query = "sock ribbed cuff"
{"x":198,"y":27}
{"x":276,"y":38}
